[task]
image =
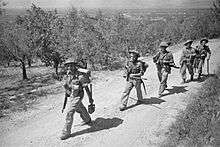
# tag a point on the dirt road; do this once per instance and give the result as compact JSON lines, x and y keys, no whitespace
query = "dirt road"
{"x":140,"y":125}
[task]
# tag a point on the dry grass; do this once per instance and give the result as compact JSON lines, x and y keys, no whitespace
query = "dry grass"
{"x":197,"y":124}
{"x":16,"y":94}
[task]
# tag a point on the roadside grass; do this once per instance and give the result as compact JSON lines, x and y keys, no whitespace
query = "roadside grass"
{"x":19,"y":95}
{"x":199,"y":123}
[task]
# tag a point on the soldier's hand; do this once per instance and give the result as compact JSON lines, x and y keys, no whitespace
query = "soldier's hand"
{"x":91,"y":101}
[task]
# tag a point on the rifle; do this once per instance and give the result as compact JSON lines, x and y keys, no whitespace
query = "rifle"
{"x":171,"y":65}
{"x":145,"y":91}
{"x":127,"y":73}
{"x":91,"y":106}
{"x":65,"y":101}
{"x":208,"y":67}
{"x":174,"y":66}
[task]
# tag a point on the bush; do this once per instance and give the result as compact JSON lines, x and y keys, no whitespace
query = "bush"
{"x":195,"y":125}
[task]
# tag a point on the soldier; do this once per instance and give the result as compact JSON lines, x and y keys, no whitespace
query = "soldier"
{"x":134,"y":71}
{"x":187,"y":60}
{"x":74,"y":90}
{"x":85,"y":78}
{"x":202,"y":51}
{"x":164,"y":61}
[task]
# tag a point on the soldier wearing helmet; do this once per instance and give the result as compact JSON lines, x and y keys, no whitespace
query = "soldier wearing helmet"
{"x":187,"y":60}
{"x":75,"y":93}
{"x":202,"y":52}
{"x":164,"y":61}
{"x":134,"y":71}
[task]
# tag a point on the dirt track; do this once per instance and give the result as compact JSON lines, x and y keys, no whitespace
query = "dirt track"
{"x":141,"y":125}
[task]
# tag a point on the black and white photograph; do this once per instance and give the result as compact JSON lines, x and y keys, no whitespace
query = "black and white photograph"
{"x":109,"y":73}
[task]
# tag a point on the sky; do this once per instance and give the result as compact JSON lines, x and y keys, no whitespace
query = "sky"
{"x":109,"y":3}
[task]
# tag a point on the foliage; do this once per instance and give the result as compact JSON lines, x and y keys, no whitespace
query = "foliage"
{"x":196,"y":124}
{"x":15,"y":44}
{"x":2,"y":4}
{"x":105,"y":39}
{"x":46,"y":27}
{"x":216,"y":9}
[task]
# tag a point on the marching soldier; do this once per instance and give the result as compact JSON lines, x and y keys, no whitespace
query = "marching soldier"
{"x":75,"y":93}
{"x":134,"y":71}
{"x":164,"y":61}
{"x":85,"y":78}
{"x":202,"y":52}
{"x":187,"y":60}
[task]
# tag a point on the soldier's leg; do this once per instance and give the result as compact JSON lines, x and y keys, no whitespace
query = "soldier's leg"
{"x":69,"y":121}
{"x":183,"y":72}
{"x":83,"y":113}
{"x":137,"y":85}
{"x":159,"y":74}
{"x":126,"y":92}
{"x":80,"y":108}
{"x":201,"y":63}
{"x":163,"y":82}
{"x":74,"y":101}
{"x":191,"y":72}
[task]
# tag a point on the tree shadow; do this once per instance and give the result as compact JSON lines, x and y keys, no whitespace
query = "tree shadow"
{"x":148,"y":101}
{"x":100,"y":124}
{"x":176,"y":90}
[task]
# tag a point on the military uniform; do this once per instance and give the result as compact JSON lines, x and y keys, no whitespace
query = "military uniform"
{"x":201,"y":53}
{"x":74,"y":89}
{"x":132,"y":68}
{"x":163,"y":61}
{"x":186,"y":62}
{"x":85,"y":78}
{"x":135,"y":68}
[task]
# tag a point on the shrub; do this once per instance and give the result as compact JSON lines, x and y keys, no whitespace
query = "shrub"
{"x":195,"y":125}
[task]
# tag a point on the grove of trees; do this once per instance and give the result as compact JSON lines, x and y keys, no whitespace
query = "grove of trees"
{"x":102,"y":39}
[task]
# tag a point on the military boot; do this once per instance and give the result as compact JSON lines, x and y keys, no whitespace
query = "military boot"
{"x":183,"y":81}
{"x":64,"y":136}
{"x":122,"y":107}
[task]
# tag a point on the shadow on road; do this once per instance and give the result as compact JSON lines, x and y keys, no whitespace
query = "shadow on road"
{"x":148,"y":101}
{"x":204,"y":77}
{"x":100,"y":124}
{"x":176,"y":90}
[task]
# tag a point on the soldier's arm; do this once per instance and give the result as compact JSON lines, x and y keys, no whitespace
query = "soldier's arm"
{"x":66,"y":86}
{"x":182,"y":57}
{"x":155,"y":58}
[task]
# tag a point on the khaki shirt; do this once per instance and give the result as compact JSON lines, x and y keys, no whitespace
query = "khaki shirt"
{"x":188,"y":55}
{"x":72,"y":83}
{"x":134,"y":67}
{"x":164,"y":60}
{"x":203,"y":51}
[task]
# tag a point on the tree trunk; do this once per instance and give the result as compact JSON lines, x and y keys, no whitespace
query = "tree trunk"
{"x":29,"y":62}
{"x":56,"y":64}
{"x":24,"y":70}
